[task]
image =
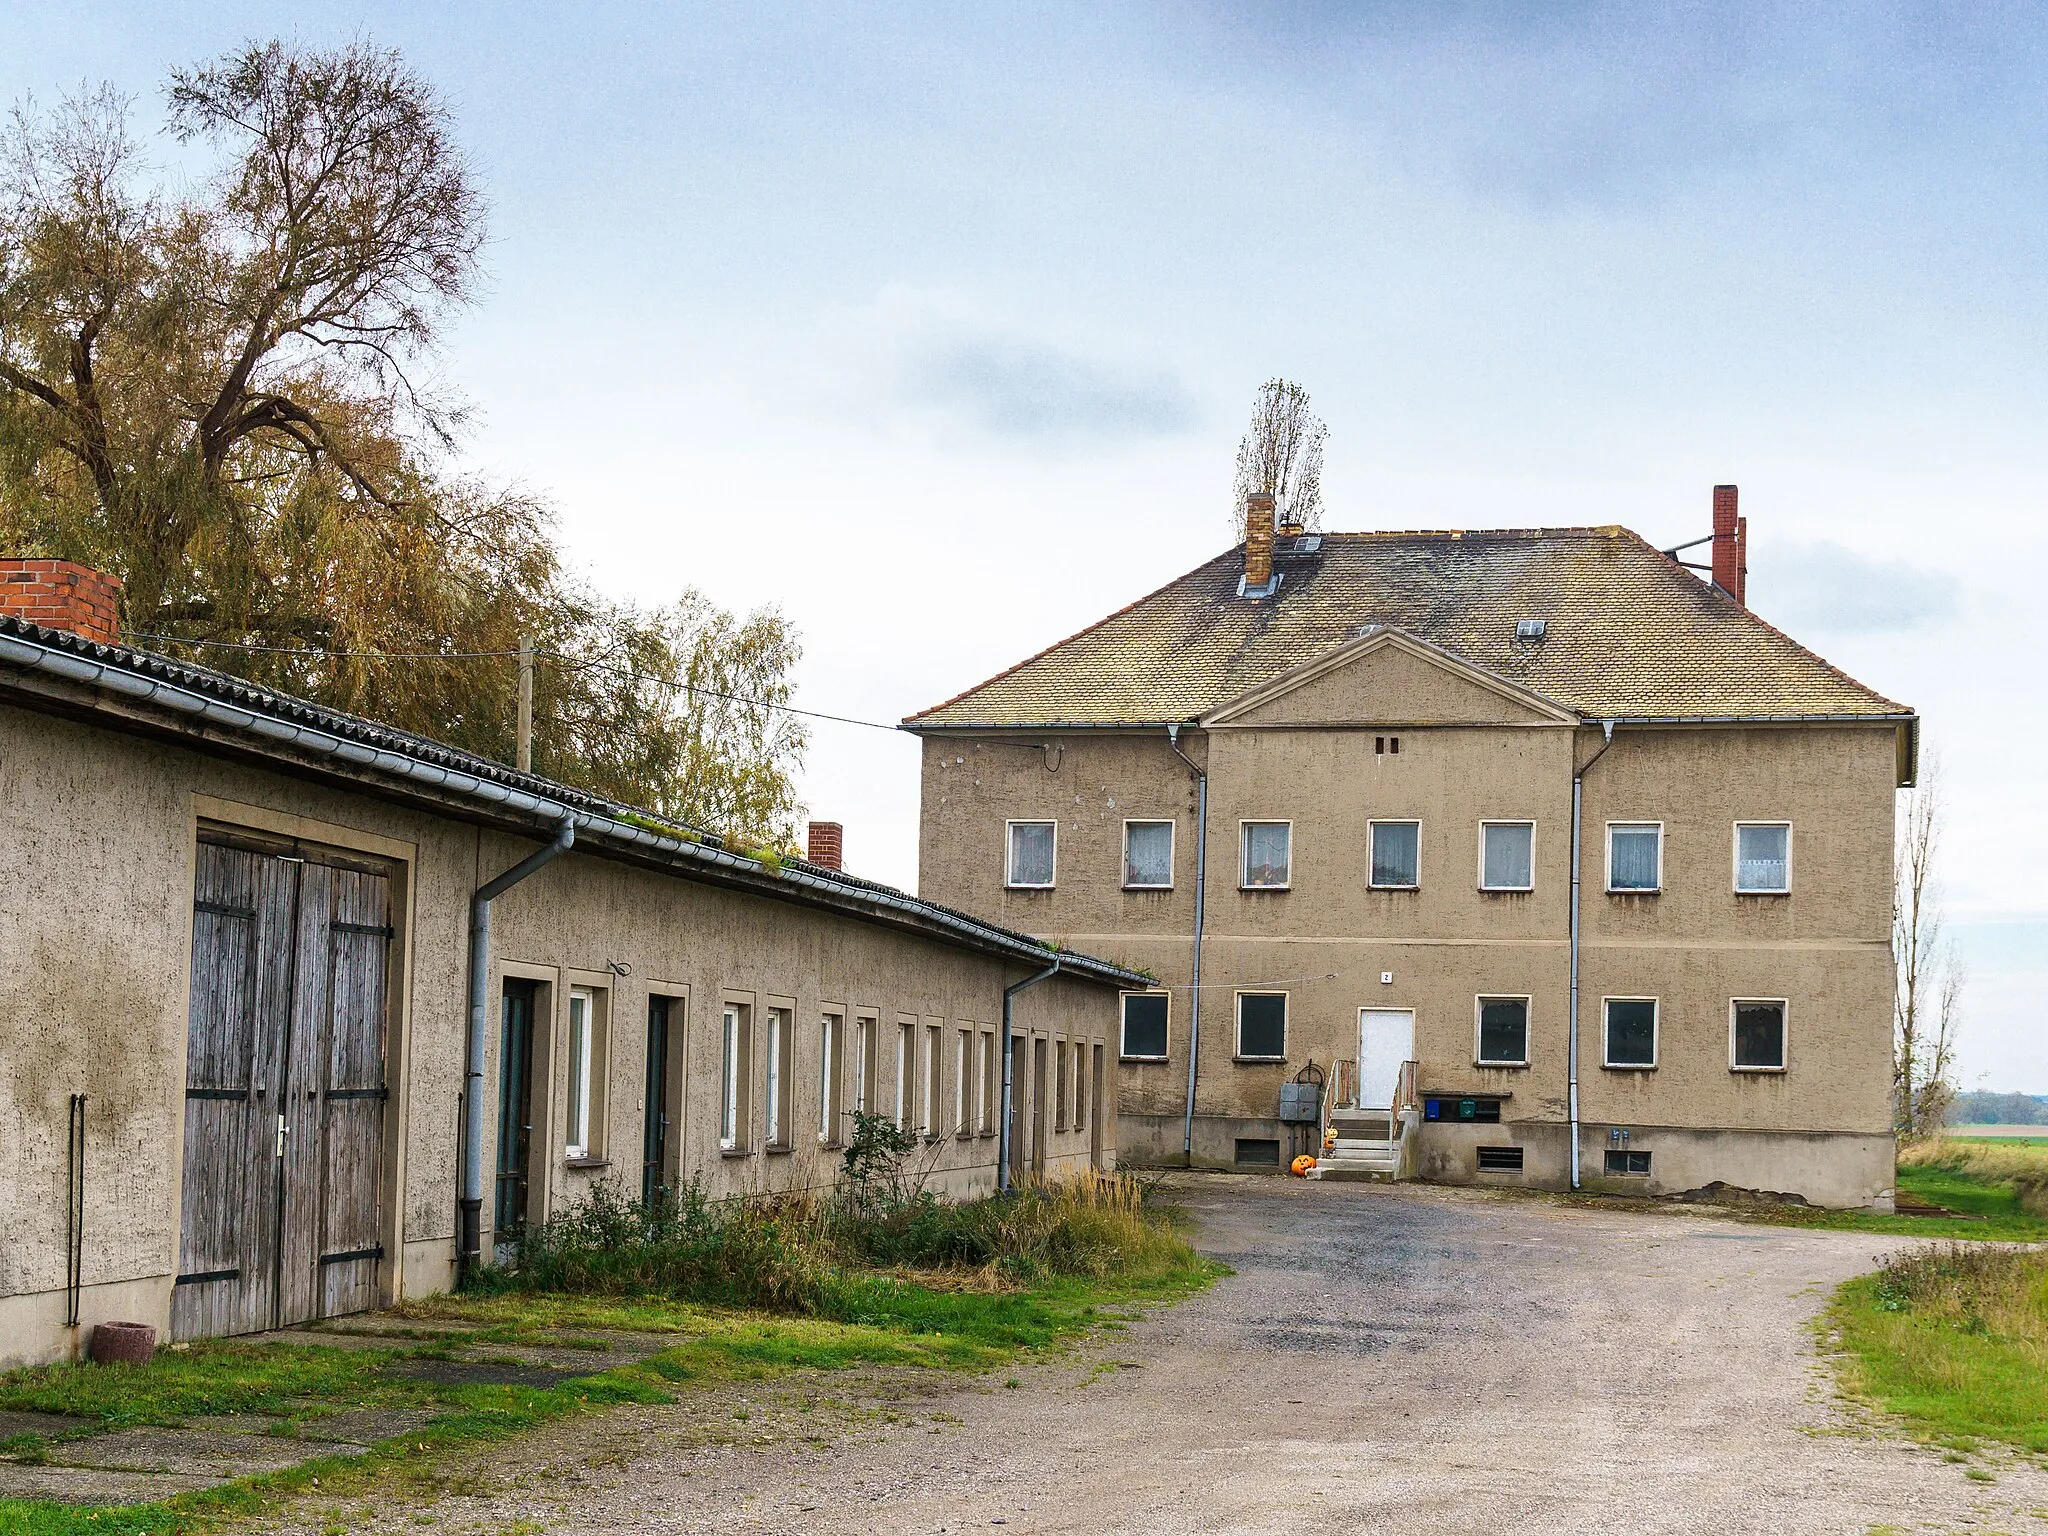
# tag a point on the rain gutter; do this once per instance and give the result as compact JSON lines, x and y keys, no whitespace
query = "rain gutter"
{"x":1187,"y":1130}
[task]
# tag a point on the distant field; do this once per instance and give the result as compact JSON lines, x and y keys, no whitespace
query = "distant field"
{"x":1999,"y":1132}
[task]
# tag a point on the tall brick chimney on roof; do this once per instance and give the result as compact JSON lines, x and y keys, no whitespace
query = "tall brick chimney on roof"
{"x":1258,"y":539}
{"x":1731,"y":546}
{"x":826,"y":844}
{"x":60,"y":595}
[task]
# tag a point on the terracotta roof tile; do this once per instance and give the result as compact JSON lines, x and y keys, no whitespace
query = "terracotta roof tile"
{"x":1630,"y":633}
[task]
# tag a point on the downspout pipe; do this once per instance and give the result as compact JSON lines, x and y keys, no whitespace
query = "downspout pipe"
{"x":1003,"y":1124}
{"x":470,"y":1242}
{"x":1578,"y":845}
{"x":1187,"y":1129}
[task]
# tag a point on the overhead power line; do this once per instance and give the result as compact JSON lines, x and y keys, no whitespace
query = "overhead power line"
{"x":556,"y":656}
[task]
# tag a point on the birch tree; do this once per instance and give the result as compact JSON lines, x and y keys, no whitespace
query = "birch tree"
{"x":1930,"y":977}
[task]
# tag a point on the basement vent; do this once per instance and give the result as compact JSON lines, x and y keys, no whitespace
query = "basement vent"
{"x":1532,"y":629}
{"x":1500,"y":1159}
{"x":1257,"y":1152}
{"x":1626,"y":1162}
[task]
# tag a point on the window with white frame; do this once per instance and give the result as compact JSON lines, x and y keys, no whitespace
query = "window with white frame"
{"x":1396,"y":855}
{"x":831,"y":1075}
{"x":1757,"y":1034}
{"x":991,"y":1087}
{"x":1144,"y":1026}
{"x":1059,"y":1085}
{"x":1631,"y":1032}
{"x":963,"y":1062}
{"x":776,"y":1079}
{"x":1763,"y":857}
{"x":1268,"y":854}
{"x":1507,"y":855}
{"x":1080,"y":1084}
{"x":1635,"y":855}
{"x":732,"y":1077}
{"x":1148,"y":855}
{"x":1262,"y":1025}
{"x":580,"y":1138}
{"x":934,"y":1075}
{"x":906,"y":1057}
{"x":1503,"y":1032}
{"x":864,"y":1064}
{"x":1032,"y":850}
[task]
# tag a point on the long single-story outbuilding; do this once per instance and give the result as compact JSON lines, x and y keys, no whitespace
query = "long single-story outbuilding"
{"x":304,"y":1011}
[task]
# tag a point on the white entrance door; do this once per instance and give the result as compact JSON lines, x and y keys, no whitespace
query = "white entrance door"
{"x":1386,"y":1039}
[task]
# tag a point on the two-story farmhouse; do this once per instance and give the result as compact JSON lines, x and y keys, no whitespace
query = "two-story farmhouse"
{"x":1548,"y":852}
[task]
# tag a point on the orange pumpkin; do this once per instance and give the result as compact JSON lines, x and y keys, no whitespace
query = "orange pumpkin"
{"x":1301,"y":1165}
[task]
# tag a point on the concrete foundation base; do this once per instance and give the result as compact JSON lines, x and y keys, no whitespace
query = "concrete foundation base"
{"x":1842,"y":1170}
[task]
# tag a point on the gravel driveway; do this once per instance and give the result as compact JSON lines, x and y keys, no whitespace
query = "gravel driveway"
{"x":1384,"y":1358}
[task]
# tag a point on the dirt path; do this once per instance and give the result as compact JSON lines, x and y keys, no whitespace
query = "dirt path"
{"x":1382,"y":1359}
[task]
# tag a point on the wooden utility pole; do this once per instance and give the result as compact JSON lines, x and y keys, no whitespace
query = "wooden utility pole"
{"x":525,"y":757}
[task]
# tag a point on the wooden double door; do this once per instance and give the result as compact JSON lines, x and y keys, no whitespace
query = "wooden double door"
{"x":283,"y":1193}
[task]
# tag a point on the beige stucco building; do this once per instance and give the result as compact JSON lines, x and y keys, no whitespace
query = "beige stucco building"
{"x":235,"y":1063}
{"x":1327,"y":789}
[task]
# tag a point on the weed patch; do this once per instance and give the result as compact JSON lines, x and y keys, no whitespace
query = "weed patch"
{"x":1953,"y":1339}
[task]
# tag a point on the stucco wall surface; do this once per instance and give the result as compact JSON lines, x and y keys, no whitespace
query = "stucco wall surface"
{"x":95,"y":932}
{"x":1336,"y":946}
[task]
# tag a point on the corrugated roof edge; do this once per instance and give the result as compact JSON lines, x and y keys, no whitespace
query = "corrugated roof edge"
{"x":369,"y":745}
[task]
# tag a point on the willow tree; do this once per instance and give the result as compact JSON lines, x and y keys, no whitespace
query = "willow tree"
{"x":1281,"y":454}
{"x":224,"y":395}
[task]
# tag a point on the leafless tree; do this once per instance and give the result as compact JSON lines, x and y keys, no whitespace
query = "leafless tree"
{"x":1930,"y":978}
{"x":1282,"y":455}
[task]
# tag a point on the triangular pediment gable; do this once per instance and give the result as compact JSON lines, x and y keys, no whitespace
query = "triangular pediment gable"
{"x":1385,"y":677}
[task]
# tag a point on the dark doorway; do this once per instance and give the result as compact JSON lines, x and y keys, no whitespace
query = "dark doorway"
{"x":654,"y":1139}
{"x":515,"y":1109}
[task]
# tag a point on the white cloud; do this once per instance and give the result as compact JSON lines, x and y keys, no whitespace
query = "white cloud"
{"x":1829,"y":587}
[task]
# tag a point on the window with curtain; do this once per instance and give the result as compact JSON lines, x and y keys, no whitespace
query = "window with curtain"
{"x":1507,"y":855}
{"x":1635,"y":856}
{"x":1031,"y":853}
{"x":1148,"y":855}
{"x":1763,"y":858}
{"x":1396,"y":855}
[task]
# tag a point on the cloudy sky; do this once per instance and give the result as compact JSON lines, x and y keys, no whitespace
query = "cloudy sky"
{"x":936,"y":326}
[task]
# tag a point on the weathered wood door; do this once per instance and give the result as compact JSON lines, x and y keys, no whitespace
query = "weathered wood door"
{"x":282,"y":1208}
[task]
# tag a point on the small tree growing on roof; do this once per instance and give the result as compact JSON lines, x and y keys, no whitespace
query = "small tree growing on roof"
{"x":1282,"y":455}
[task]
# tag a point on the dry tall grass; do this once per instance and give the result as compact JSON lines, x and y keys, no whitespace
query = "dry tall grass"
{"x":799,"y":1253}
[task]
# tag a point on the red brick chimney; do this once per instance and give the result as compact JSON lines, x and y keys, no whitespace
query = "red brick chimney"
{"x":1731,"y":545}
{"x":1258,"y":539}
{"x":60,"y":595}
{"x":827,"y":842}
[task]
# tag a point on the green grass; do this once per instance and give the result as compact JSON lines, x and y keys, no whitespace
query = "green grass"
{"x":1955,"y":1341}
{"x":940,"y":1320}
{"x":1987,"y":1209}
